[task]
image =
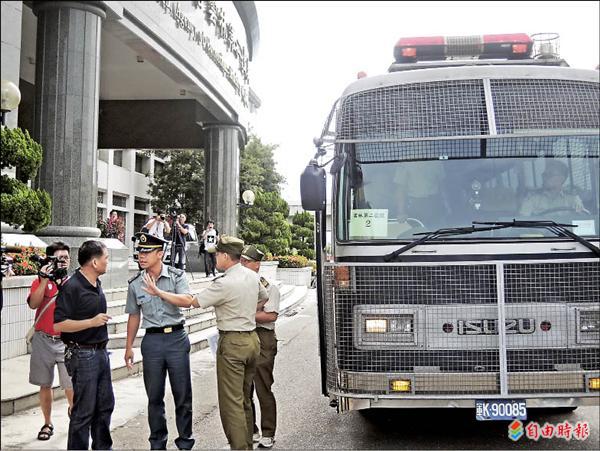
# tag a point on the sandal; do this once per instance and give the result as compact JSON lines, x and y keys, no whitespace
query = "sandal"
{"x":46,"y":432}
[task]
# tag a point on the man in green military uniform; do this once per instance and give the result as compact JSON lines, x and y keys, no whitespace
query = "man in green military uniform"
{"x":234,"y":295}
{"x":266,"y":315}
{"x":155,"y":292}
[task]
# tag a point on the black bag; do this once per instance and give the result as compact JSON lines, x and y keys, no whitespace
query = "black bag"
{"x":201,"y":249}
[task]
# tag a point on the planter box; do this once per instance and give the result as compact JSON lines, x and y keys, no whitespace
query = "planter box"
{"x":295,"y":276}
{"x":269,"y":270}
{"x":17,"y":317}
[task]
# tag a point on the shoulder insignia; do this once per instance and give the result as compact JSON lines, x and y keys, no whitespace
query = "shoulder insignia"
{"x":176,"y":271}
{"x":264,"y":282}
{"x":135,"y":277}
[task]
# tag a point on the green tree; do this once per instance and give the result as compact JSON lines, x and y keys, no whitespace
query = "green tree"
{"x":21,"y":205}
{"x":257,"y":167}
{"x":265,"y":225}
{"x":303,"y":238}
{"x":180,"y":184}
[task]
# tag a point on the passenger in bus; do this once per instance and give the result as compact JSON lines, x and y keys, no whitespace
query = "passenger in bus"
{"x":552,"y":197}
{"x":420,"y":192}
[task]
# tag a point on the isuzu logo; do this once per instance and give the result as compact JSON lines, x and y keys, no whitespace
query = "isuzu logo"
{"x":490,"y":326}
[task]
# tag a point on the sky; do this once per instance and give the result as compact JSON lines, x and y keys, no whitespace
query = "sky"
{"x":310,"y":51}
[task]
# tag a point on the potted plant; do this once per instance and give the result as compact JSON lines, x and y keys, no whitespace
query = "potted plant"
{"x":294,"y":270}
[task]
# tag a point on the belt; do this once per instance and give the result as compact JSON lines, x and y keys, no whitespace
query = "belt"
{"x":164,"y":330}
{"x":87,"y":345}
{"x":51,"y":337}
{"x":223,"y":332}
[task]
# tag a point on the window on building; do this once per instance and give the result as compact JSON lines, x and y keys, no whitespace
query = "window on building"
{"x":118,"y":158}
{"x":140,"y":204}
{"x":139,"y":221}
{"x":141,"y":164}
{"x":100,"y":213}
{"x":103,"y":155}
{"x":119,"y":201}
{"x":158,"y":167}
{"x":101,"y":197}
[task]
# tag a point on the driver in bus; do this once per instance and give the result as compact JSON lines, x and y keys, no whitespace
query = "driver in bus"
{"x":552,"y":197}
{"x":419,"y":191}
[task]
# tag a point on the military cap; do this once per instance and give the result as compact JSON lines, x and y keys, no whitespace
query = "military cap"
{"x":230,"y":245}
{"x":252,"y":253}
{"x":149,"y":243}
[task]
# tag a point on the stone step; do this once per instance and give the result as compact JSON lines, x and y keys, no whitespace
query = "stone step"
{"x":18,"y":394}
{"x":118,"y":324}
{"x":196,"y":324}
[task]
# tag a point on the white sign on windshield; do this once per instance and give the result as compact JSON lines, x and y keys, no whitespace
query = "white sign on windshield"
{"x":369,"y":223}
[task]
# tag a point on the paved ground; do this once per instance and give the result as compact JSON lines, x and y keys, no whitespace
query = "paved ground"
{"x":305,"y":419}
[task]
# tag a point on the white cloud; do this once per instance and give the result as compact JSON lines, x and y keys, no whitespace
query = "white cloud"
{"x":310,"y":51}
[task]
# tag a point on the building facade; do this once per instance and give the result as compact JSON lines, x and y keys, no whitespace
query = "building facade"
{"x":102,"y":80}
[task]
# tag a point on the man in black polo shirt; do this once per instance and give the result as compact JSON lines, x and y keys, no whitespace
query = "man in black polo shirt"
{"x":80,"y":316}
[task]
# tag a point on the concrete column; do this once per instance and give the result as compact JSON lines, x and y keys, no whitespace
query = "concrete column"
{"x":12,"y":13}
{"x":66,"y":111}
{"x":222,"y":175}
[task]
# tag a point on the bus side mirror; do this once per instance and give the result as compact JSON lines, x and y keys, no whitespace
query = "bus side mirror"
{"x":313,"y":188}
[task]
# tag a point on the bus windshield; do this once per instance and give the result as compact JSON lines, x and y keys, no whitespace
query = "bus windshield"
{"x":390,"y":191}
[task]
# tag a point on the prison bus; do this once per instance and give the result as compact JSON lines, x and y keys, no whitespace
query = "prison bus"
{"x":464,"y":267}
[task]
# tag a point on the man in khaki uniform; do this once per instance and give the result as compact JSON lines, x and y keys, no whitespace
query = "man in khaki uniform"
{"x":266,"y":315}
{"x":235,"y":295}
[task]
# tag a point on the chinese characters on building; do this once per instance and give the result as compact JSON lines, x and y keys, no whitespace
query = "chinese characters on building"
{"x":215,"y":17}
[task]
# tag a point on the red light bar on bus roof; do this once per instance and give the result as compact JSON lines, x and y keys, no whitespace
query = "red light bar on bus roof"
{"x":487,"y":46}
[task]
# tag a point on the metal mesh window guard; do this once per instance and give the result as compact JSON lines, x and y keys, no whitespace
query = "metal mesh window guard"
{"x":454,"y":108}
{"x":458,"y":108}
{"x":514,"y":147}
{"x":545,"y":104}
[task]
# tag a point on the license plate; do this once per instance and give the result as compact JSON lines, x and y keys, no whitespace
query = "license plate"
{"x":500,"y":409}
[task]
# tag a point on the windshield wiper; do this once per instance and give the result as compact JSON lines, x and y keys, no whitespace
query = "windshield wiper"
{"x":554,"y":227}
{"x":437,"y":233}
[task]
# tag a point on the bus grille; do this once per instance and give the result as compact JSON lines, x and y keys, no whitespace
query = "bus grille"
{"x":438,"y":324}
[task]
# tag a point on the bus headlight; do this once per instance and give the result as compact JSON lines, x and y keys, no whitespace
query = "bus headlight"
{"x":376,"y":326}
{"x":402,"y":324}
{"x":378,"y":330}
{"x":588,"y":325}
{"x":589,"y":321}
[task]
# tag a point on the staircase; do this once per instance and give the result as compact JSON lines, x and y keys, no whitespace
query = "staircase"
{"x":18,"y":394}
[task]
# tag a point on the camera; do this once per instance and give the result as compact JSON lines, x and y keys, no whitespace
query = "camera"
{"x":56,"y":273}
{"x":162,"y":216}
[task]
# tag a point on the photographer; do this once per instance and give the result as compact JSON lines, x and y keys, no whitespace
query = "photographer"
{"x":81,"y":318}
{"x":47,"y":349}
{"x":181,"y":231}
{"x":157,"y":226}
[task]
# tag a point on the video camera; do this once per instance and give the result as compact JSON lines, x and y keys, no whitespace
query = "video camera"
{"x":56,"y":272}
